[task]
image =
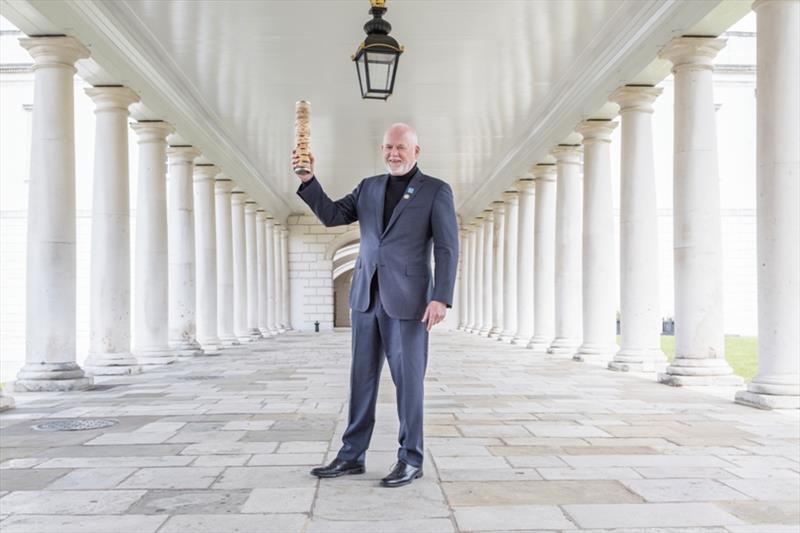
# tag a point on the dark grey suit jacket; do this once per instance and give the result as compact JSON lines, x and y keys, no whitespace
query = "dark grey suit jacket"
{"x":424,"y":219}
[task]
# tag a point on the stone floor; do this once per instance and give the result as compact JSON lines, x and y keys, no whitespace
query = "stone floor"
{"x":515,"y":442}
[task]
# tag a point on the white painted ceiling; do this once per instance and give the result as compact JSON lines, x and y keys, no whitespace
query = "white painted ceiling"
{"x":490,"y":85}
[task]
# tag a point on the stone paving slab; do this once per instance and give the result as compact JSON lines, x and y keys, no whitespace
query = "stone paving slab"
{"x":515,"y":442}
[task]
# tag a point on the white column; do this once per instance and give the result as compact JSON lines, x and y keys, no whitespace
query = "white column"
{"x":463,"y":278}
{"x":488,"y":272}
{"x":480,"y":237}
{"x":568,"y":251}
{"x":471,"y":242}
{"x":525,"y":266}
{"x":599,"y":264}
{"x":206,"y":257}
{"x":251,"y":258}
{"x":497,"y":268}
{"x":777,"y":384}
{"x":110,"y":291}
{"x":286,"y":320}
{"x":543,"y":259}
{"x":269,"y":227}
{"x":151,"y":318}
{"x":50,"y":363}
{"x":222,"y":196}
{"x":640,"y":321}
{"x":240,"y":287}
{"x":697,"y":234}
{"x":511,"y":225}
{"x":277,"y":270}
{"x":261,"y":238}
{"x":180,"y":223}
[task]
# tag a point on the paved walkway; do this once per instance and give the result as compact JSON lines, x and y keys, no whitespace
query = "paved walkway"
{"x":515,"y":442}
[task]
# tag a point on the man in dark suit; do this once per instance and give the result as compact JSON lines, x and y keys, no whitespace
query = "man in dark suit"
{"x":395,"y":300}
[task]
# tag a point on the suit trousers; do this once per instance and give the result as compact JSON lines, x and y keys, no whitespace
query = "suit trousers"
{"x":404,"y":343}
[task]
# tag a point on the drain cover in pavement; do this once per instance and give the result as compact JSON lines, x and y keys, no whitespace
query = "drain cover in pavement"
{"x":75,"y":424}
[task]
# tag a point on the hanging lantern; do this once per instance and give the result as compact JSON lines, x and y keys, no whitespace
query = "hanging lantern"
{"x":376,"y":58}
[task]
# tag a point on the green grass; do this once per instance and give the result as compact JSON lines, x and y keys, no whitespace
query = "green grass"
{"x":741,"y":353}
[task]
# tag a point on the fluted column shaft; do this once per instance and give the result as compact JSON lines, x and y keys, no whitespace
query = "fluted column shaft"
{"x":488,"y":272}
{"x":568,"y":251}
{"x":777,"y":384}
{"x":206,"y":257}
{"x":480,"y":251}
{"x":697,"y":235}
{"x":497,"y":267}
{"x":110,"y":287}
{"x":261,"y":244}
{"x":463,"y":279}
{"x":525,"y":268}
{"x":277,"y":271}
{"x":224,"y":233}
{"x":251,"y":269}
{"x":472,"y":240}
{"x":180,"y":224}
{"x":286,"y":321}
{"x":50,"y":281}
{"x":599,"y":276}
{"x":640,"y":322}
{"x":270,"y":240}
{"x":151,"y":316}
{"x":543,"y":259}
{"x":240,"y":288}
{"x":510,"y":266}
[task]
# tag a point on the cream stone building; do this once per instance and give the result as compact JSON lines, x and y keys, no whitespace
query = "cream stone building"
{"x":634,"y":158}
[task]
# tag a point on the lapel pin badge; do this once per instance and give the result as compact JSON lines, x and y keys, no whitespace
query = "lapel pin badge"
{"x":406,"y":196}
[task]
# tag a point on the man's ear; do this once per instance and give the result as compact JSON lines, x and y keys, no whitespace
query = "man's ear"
{"x":416,"y":152}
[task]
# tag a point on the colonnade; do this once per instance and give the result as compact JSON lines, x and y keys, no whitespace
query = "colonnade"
{"x":210,"y":264}
{"x":558,"y":284}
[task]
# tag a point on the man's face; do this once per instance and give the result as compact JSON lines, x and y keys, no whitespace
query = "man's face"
{"x":400,"y":151}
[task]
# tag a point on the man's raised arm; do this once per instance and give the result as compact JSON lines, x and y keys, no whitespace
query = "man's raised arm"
{"x":341,"y":212}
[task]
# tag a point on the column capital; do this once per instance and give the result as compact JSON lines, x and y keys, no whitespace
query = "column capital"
{"x":757,"y":4}
{"x":511,"y":196}
{"x":488,"y":215}
{"x":222,"y":185}
{"x":595,"y":131}
{"x":499,"y":207}
{"x":182,"y":154}
{"x":250,"y":206}
{"x":111,"y":97}
{"x":261,"y":215}
{"x":544,"y":172}
{"x":636,"y":97}
{"x":238,"y":197}
{"x":205,"y":172}
{"x":692,"y":52}
{"x":567,"y":153}
{"x":525,"y":185}
{"x":269,"y":220}
{"x":284,"y":231}
{"x":56,"y":51}
{"x":152,"y":131}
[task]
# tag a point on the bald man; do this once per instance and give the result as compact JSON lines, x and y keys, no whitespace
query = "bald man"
{"x":403,"y":215}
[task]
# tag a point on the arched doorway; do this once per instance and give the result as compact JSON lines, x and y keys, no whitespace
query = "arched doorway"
{"x":344,"y":261}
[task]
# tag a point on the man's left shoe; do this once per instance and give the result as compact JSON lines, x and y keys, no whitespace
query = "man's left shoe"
{"x":401,"y":474}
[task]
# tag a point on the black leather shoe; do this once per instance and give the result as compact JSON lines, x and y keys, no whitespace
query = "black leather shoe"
{"x":402,"y":474}
{"x":338,"y":467}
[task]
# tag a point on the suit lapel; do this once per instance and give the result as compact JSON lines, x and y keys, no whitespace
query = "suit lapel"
{"x":413,"y":186}
{"x":380,"y":200}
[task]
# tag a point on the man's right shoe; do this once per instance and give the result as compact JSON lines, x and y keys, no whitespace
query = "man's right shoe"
{"x":338,"y":467}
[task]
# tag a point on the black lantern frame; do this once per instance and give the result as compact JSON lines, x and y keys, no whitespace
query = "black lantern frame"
{"x":377,"y":57}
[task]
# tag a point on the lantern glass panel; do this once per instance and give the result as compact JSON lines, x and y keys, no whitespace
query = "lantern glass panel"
{"x":362,"y":74}
{"x":381,"y":69}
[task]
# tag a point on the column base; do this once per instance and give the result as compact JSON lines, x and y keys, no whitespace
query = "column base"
{"x":643,"y":360}
{"x":564,"y":346}
{"x":111,"y":364}
{"x":6,"y":402}
{"x":187,"y":349}
{"x":265,"y":332}
{"x":211,"y":346}
{"x":506,"y":336}
{"x":154,"y":356}
{"x":484,"y":332}
{"x":766,"y":401}
{"x":52,"y":377}
{"x":595,"y":353}
{"x":494,"y":333}
{"x":699,"y":372}
{"x":254,"y":335}
{"x":229,"y":341}
{"x":539,"y":343}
